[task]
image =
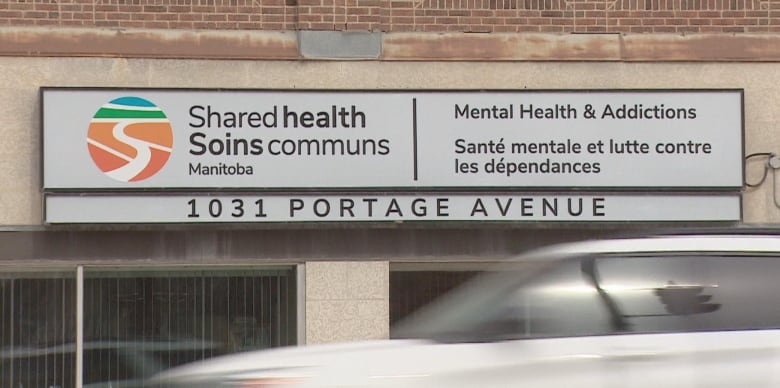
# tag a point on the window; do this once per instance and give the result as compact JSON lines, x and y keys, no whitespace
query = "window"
{"x":410,"y":290}
{"x":37,"y":329}
{"x":138,"y":321}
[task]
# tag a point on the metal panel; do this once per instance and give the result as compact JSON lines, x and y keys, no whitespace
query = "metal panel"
{"x":132,"y":139}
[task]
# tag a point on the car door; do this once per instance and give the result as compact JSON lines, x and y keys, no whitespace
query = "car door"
{"x":639,"y":321}
{"x":692,"y":320}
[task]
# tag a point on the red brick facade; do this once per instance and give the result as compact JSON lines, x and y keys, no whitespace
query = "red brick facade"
{"x":564,"y":16}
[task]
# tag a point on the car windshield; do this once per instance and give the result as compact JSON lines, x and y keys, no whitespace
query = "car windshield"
{"x":598,"y":294}
{"x":473,"y":312}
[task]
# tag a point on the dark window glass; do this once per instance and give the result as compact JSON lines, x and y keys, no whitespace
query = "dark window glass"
{"x":410,"y":290}
{"x":37,"y":330}
{"x":519,"y":300}
{"x":139,"y":323}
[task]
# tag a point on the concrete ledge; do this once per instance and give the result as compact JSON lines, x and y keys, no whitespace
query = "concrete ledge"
{"x":702,"y":47}
{"x":501,"y":47}
{"x":32,"y":41}
{"x":408,"y":46}
{"x":582,"y":47}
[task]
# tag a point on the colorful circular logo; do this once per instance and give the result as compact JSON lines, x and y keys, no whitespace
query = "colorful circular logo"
{"x":130,"y":139}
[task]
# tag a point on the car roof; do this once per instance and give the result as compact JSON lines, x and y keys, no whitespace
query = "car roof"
{"x":725,"y":241}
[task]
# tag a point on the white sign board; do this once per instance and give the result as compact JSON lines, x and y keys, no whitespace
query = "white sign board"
{"x":250,"y":140}
{"x":117,"y":208}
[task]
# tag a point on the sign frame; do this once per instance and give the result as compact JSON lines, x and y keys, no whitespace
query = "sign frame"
{"x":323,"y":208}
{"x":399,"y":188}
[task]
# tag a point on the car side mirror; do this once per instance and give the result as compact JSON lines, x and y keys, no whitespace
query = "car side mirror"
{"x":685,"y":299}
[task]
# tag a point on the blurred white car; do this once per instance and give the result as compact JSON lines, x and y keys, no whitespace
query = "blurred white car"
{"x":664,"y":311}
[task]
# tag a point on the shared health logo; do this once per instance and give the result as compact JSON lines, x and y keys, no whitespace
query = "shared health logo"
{"x":130,"y":139}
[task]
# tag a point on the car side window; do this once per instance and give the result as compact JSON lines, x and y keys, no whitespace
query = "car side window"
{"x":640,"y":294}
{"x":559,"y":302}
{"x":683,"y":293}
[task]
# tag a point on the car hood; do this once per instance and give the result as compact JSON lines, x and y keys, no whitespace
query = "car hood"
{"x":359,"y":363}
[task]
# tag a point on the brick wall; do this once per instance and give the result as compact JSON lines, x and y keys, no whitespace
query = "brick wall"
{"x":626,"y":16}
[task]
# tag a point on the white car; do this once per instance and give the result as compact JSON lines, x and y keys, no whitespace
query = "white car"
{"x":664,"y":311}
